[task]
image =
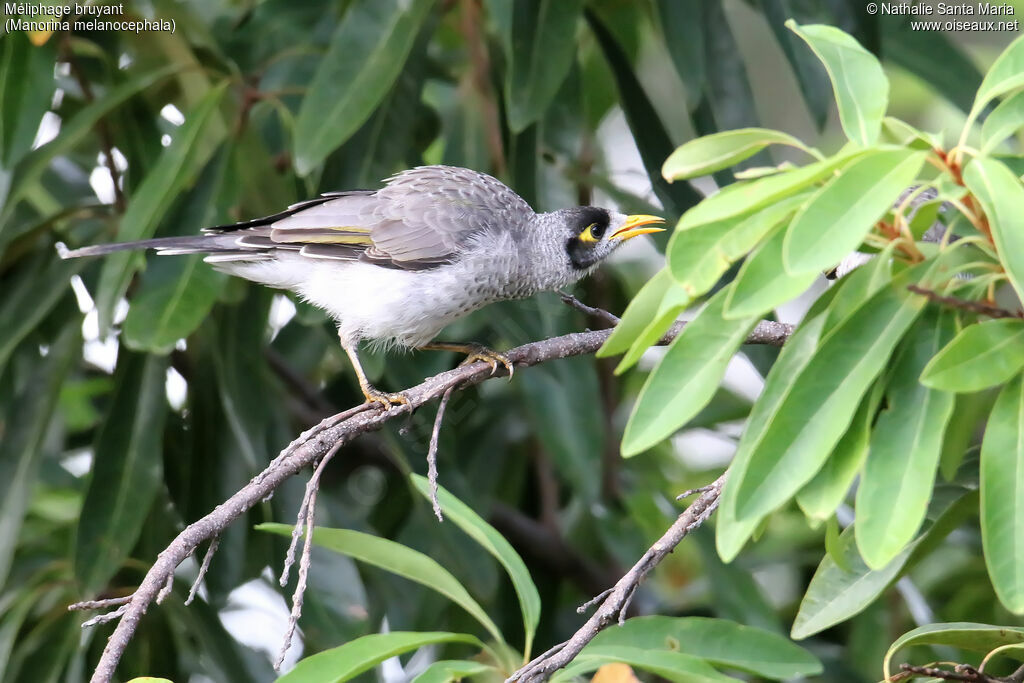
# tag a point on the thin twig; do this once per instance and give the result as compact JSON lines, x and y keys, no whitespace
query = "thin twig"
{"x":616,"y":603}
{"x":104,"y":618}
{"x":599,"y":313}
{"x":166,"y":590}
{"x":432,"y":453}
{"x":979,"y":307}
{"x":99,"y":604}
{"x":593,"y":601}
{"x":203,"y":568}
{"x":312,"y":487}
{"x":335,"y":431}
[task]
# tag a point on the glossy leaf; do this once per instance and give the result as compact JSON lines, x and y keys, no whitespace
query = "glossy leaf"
{"x":495,"y":544}
{"x":1002,"y":495}
{"x":731,"y":532}
{"x":686,"y":378}
{"x":26,"y":89}
{"x":905,"y":448}
{"x":711,"y":153}
{"x":652,"y":140}
{"x":1001,"y":195}
{"x":1005,"y":75}
{"x":860,"y":86}
{"x":834,"y":221}
{"x":642,"y":307}
{"x":451,"y":670}
{"x":747,"y":196}
{"x":774,"y":461}
{"x":174,"y":298}
{"x":362,"y":654}
{"x":981,"y":356}
{"x":1004,"y":121}
{"x":672,"y":666}
{"x":961,"y":634}
{"x":840,"y":590}
{"x":365,"y":56}
{"x":763,"y":283}
{"x":126,"y":472}
{"x":699,"y":256}
{"x":823,"y":494}
{"x":178,"y":166}
{"x":21,"y":447}
{"x":718,"y":641}
{"x":397,"y":559}
{"x":674,"y":302}
{"x":31,"y":168}
{"x":542,"y":51}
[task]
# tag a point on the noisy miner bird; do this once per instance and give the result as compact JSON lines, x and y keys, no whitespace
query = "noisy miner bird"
{"x":396,"y":265}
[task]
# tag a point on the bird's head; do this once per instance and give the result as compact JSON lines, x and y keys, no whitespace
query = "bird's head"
{"x":590,"y":234}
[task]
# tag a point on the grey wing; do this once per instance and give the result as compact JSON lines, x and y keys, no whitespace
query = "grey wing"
{"x":422,"y":217}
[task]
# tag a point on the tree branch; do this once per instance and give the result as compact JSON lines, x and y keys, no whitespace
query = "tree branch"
{"x":338,"y":430}
{"x":613,"y":606}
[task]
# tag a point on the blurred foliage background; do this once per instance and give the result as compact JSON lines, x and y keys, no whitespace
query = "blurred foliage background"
{"x":136,"y":393}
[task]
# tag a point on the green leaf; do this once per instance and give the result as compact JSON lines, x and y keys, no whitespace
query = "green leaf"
{"x":638,"y":314}
{"x":1004,"y":121}
{"x":823,"y":494}
{"x":495,"y":544}
{"x":699,"y":256}
{"x":356,"y":656}
{"x":763,"y":283}
{"x":451,"y":670}
{"x":836,"y":219}
{"x":933,"y":57}
{"x":982,"y":355}
{"x":1001,"y":195}
{"x":649,"y":134}
{"x":731,"y":532}
{"x":746,"y":196}
{"x":366,"y":55}
{"x":795,"y":432}
{"x":714,"y":152}
{"x":905,"y":448}
{"x":173,"y":299}
{"x":30,"y":169}
{"x":1005,"y":74}
{"x":683,"y":33}
{"x":1002,"y":495}
{"x":178,"y":165}
{"x":675,"y":301}
{"x":542,"y":52}
{"x":686,"y":378}
{"x":718,"y":641}
{"x":859,"y":84}
{"x":838,"y":591}
{"x":126,"y":471}
{"x":672,"y":666}
{"x":29,"y":295}
{"x":21,"y":445}
{"x":962,"y":634}
{"x":26,"y":89}
{"x":397,"y":559}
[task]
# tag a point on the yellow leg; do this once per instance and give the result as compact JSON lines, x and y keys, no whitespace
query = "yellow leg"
{"x":372,"y":394}
{"x":474,"y":353}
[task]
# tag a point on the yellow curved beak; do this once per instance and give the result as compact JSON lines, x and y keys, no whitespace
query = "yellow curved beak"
{"x":635,"y":226}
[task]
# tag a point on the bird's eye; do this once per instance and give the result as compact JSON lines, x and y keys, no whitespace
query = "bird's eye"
{"x":592,"y":233}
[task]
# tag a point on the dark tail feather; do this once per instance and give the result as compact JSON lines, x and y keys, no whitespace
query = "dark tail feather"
{"x":178,"y":245}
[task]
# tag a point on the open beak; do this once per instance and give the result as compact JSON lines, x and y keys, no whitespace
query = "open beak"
{"x":635,"y":226}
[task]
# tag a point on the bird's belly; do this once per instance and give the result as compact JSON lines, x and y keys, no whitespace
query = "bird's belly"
{"x":393,"y":306}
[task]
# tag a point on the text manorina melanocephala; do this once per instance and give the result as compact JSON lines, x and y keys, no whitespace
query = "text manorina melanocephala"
{"x":396,"y":265}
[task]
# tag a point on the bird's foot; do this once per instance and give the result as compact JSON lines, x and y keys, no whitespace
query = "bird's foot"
{"x":385,"y":399}
{"x":476,"y":352}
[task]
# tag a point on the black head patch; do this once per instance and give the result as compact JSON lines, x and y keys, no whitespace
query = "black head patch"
{"x":582,"y":252}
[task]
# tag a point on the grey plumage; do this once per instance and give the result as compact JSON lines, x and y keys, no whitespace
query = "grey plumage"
{"x":396,"y":265}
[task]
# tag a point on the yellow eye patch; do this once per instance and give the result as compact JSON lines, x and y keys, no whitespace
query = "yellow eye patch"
{"x":588,"y":234}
